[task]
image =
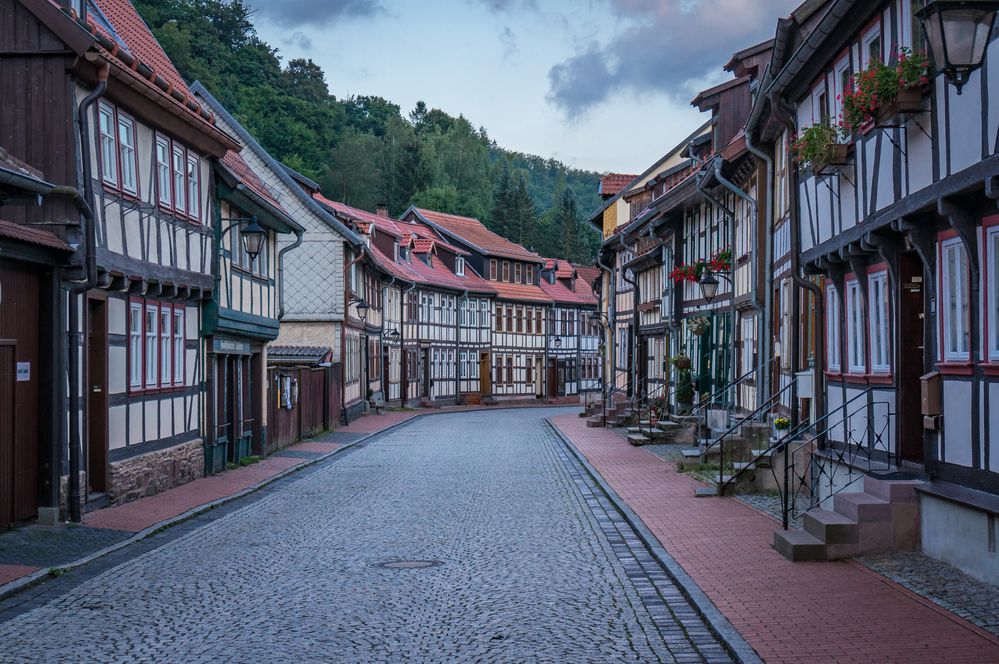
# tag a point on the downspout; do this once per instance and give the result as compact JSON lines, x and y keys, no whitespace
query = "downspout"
{"x":299,"y":237}
{"x":611,"y":318}
{"x":634,"y":323}
{"x":75,"y":333}
{"x":404,"y":391}
{"x":381,"y":340}
{"x":763,"y":343}
{"x":754,"y":301}
{"x":343,"y":336}
{"x":784,"y":115}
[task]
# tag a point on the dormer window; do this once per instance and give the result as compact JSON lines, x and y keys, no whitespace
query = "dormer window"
{"x":506,"y":270}
{"x":530,"y":275}
{"x":516,"y":273}
{"x":459,"y":266}
{"x":492,"y":269}
{"x":395,"y":250}
{"x":404,"y":253}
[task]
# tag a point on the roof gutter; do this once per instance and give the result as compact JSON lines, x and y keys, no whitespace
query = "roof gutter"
{"x":763,"y":347}
{"x":299,"y":237}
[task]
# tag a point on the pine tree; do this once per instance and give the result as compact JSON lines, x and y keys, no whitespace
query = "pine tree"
{"x":565,"y":227}
{"x":501,"y":213}
{"x":524,"y":215}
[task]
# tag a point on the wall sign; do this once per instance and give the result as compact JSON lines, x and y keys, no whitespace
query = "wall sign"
{"x":230,"y":346}
{"x":23,"y":372}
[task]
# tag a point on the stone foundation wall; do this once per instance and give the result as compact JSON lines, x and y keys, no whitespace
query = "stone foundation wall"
{"x":152,"y":473}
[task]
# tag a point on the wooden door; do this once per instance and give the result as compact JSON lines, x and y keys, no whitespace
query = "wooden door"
{"x":909,"y":336}
{"x":552,"y":377}
{"x":19,"y":380}
{"x":97,"y":396}
{"x":485,"y":375}
{"x":428,"y":380}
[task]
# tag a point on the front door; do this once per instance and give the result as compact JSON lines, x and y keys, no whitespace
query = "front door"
{"x":428,"y":381}
{"x":485,"y":375}
{"x":910,"y":357}
{"x":97,"y":396}
{"x":552,"y":377}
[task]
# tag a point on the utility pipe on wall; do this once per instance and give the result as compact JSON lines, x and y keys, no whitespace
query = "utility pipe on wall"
{"x":764,"y":342}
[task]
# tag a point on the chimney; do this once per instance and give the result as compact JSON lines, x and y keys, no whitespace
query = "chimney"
{"x":382,"y":210}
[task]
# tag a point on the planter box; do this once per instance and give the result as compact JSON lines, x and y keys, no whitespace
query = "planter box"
{"x":908,"y":102}
{"x":835,"y":154}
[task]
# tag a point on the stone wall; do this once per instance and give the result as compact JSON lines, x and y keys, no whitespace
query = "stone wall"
{"x":152,"y":473}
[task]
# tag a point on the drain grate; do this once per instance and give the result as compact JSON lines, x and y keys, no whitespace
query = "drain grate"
{"x":410,"y":564}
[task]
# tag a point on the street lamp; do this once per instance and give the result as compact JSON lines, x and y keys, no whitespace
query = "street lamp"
{"x":958,"y":32}
{"x":709,"y":286}
{"x":361,"y":306}
{"x":252,"y":234}
{"x":393,"y":335}
{"x":558,"y":342}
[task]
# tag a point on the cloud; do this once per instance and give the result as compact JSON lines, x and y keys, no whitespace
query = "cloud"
{"x":508,"y":41}
{"x":299,"y":39}
{"x":498,"y":6}
{"x":665,"y":46}
{"x":294,"y":13}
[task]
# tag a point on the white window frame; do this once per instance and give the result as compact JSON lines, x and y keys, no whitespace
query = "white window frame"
{"x":126,"y":154}
{"x":842,"y":66}
{"x":152,"y":360}
{"x":179,"y":339}
{"x":870,"y":36}
{"x":166,"y":346}
{"x":956,"y":342}
{"x":193,"y":186}
{"x":992,"y":269}
{"x":179,"y":171}
{"x":459,"y":266}
{"x":879,"y":322}
{"x":833,"y":329}
{"x":136,"y":318}
{"x":108,"y":138}
{"x":856,"y":330}
{"x":164,"y":171}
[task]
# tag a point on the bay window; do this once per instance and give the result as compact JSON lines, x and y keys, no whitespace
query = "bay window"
{"x":877,"y":291}
{"x":954,"y":301}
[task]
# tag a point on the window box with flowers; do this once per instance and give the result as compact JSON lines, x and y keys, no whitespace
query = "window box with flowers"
{"x":720,"y":261}
{"x":879,"y":94}
{"x":818,"y":147}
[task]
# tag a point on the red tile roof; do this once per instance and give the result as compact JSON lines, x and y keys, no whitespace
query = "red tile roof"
{"x":588,"y":273}
{"x":521,"y":292}
{"x":560,"y":292}
{"x":388,"y":225}
{"x":612,"y":183}
{"x":475,"y":233}
{"x":238,"y":167}
{"x":30,"y":235}
{"x":422,"y":245}
{"x":564,"y":270}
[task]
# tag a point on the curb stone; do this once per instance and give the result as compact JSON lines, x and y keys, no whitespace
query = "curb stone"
{"x":734,"y":642}
{"x":40,"y":576}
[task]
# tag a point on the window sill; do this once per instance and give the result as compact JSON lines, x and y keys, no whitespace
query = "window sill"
{"x":880,"y":378}
{"x":955,"y":368}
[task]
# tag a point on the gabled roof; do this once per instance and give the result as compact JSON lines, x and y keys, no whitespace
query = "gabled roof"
{"x":521,"y":292}
{"x":242,"y":174}
{"x":276,"y":167}
{"x":473,"y":233}
{"x":297,"y":355}
{"x":567,"y":290}
{"x":30,"y":235}
{"x":612,"y":183}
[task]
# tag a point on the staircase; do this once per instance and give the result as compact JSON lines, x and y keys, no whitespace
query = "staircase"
{"x":619,"y":415}
{"x":882,"y":517}
{"x":742,"y":450}
{"x":654,"y":433}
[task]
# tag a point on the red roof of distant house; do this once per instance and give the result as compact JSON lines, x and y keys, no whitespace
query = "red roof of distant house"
{"x":422,"y":245}
{"x":238,"y":167}
{"x":612,"y":183}
{"x":388,"y":225}
{"x":579,"y":293}
{"x":473,"y":232}
{"x":588,"y":273}
{"x":523,"y":292}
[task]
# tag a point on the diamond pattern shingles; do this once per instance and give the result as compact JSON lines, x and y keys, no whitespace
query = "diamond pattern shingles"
{"x":474,"y":232}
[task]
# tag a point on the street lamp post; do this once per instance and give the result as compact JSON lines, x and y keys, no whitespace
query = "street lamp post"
{"x":251,"y":234}
{"x":958,"y":33}
{"x":362,"y":309}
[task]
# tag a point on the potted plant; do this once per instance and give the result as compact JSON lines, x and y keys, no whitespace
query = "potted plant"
{"x":819,"y":146}
{"x":684,"y":391}
{"x":879,"y":92}
{"x":681,"y":361}
{"x":781,"y":425}
{"x":698,"y":325}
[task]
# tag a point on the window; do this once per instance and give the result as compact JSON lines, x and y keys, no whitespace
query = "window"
{"x":152,"y":346}
{"x":833,"y":317}
{"x":179,"y":334}
{"x":520,"y":319}
{"x":855,"y":327}
{"x":530,"y":372}
{"x":993,"y":304}
{"x":163,"y":182}
{"x":499,"y":318}
{"x":529,"y":315}
{"x":509,"y":370}
{"x":135,"y":345}
{"x":126,"y":148}
{"x":492,"y":269}
{"x":509,"y":319}
{"x":916,"y":27}
{"x":538,"y":329}
{"x":166,"y":345}
{"x":843,"y":83}
{"x":193,"y":187}
{"x":955,"y":304}
{"x":877,"y":293}
{"x":506,"y":270}
{"x":179,"y":173}
{"x":530,"y":274}
{"x":109,"y":150}
{"x":516,"y":272}
{"x":748,"y":345}
{"x":459,"y":266}
{"x":871,"y":50}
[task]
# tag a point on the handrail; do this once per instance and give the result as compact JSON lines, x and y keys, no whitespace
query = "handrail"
{"x":709,"y":399}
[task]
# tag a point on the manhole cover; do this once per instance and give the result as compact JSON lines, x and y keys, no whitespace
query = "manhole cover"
{"x":410,"y":564}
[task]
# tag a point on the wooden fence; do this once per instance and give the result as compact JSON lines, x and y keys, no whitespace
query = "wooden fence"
{"x":302,"y":402}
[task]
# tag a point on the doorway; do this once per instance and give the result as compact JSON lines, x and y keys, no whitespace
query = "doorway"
{"x":485,"y":373}
{"x":910,"y":338}
{"x":428,"y":381}
{"x":97,"y":396}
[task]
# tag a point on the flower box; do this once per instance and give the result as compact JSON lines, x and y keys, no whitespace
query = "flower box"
{"x":834,"y":154}
{"x":908,"y":101}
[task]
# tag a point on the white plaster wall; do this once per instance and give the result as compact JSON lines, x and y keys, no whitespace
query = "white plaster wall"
{"x":956,"y":423}
{"x":958,"y":536}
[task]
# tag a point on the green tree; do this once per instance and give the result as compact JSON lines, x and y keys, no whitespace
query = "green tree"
{"x":500,"y":214}
{"x":524,"y":217}
{"x":566,"y":227}
{"x":353,"y":175}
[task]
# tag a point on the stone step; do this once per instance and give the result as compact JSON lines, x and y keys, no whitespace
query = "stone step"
{"x":691,"y":454}
{"x":862,"y":507}
{"x":892,"y":491}
{"x":797,"y":545}
{"x":638,"y":439}
{"x":831,"y":527}
{"x":594,"y":422}
{"x":744,"y":465}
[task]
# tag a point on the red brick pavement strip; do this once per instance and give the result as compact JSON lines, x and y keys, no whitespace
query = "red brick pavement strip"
{"x":9,"y":573}
{"x":788,"y":612}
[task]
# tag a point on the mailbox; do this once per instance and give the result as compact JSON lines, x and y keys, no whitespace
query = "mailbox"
{"x":930,"y":384}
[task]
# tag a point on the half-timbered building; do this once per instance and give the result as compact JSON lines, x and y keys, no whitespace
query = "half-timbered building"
{"x":520,"y":311}
{"x":573,"y":336}
{"x":242,"y":317}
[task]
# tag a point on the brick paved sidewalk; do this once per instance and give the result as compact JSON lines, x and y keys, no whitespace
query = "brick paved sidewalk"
{"x":788,"y":612}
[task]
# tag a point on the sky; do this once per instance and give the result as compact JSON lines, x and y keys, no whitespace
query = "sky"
{"x":602,"y":85}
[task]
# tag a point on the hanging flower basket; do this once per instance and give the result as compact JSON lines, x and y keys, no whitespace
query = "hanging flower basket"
{"x":681,"y":361}
{"x":720,"y":261}
{"x":699,"y":325}
{"x":879,"y":93}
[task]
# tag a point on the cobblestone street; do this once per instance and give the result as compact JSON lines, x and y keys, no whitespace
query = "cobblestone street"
{"x":530,"y":564}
